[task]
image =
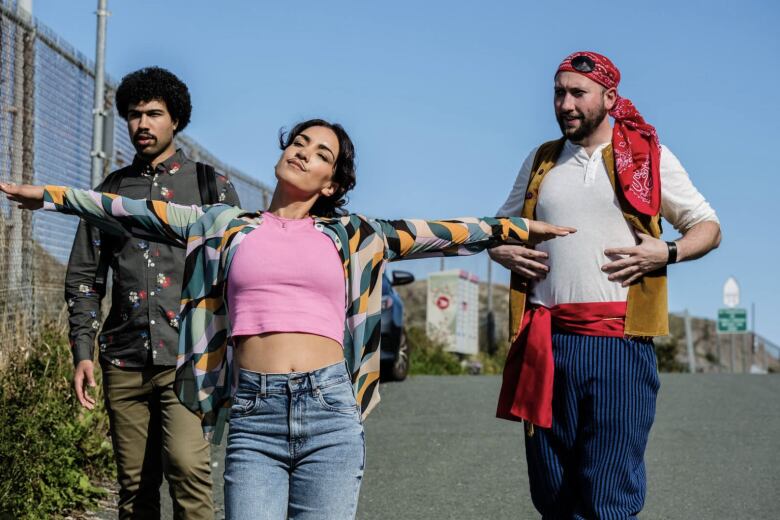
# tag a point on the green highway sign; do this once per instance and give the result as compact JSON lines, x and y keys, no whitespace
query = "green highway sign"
{"x":732,"y":320}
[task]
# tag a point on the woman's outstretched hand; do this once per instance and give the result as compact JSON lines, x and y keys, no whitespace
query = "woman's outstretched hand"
{"x":27,"y":196}
{"x":539,"y":231}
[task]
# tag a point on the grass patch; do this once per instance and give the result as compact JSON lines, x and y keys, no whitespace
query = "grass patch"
{"x":51,"y":450}
{"x":428,"y":356}
{"x":493,"y":364}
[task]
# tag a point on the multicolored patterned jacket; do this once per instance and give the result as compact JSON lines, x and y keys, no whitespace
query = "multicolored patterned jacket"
{"x":212,"y":234}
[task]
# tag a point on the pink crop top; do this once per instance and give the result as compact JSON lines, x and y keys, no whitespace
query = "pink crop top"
{"x":287,"y":276}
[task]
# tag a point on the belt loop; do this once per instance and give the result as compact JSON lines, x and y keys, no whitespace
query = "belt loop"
{"x":313,"y":382}
{"x":263,"y":383}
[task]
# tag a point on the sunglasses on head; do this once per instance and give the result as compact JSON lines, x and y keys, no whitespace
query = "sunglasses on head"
{"x":582,"y":63}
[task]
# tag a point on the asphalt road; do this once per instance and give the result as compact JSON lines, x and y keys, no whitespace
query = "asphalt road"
{"x":435,"y":451}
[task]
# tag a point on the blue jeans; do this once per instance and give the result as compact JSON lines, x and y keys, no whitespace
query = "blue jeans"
{"x":295,"y":447}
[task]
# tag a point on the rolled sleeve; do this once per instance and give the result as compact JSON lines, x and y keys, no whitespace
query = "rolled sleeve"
{"x":681,"y":203}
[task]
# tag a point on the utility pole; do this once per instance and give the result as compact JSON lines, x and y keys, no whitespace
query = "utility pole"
{"x":753,"y":350}
{"x":689,"y":343}
{"x":24,"y":9}
{"x":98,"y":110}
{"x":490,"y":321}
{"x":490,"y":285}
{"x":731,"y":353}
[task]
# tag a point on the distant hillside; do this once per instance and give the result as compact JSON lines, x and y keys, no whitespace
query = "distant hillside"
{"x":712,"y":351}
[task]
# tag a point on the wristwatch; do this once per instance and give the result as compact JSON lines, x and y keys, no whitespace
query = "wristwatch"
{"x":672,"y":253}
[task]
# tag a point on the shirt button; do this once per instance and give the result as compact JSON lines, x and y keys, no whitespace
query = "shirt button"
{"x":151,"y":322}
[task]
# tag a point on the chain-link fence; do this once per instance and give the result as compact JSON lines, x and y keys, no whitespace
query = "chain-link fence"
{"x":46,"y":97}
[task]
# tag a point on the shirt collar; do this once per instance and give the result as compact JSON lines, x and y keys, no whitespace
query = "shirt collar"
{"x":572,"y":149}
{"x":170,"y":166}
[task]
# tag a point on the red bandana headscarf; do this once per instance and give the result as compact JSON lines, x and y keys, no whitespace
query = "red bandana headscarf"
{"x":634,"y":142}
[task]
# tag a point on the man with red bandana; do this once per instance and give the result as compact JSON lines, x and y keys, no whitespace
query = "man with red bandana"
{"x":581,"y":372}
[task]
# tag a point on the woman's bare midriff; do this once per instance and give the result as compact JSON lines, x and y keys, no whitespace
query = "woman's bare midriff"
{"x":284,"y":352}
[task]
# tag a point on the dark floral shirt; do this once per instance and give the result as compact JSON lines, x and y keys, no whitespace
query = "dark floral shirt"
{"x":142,"y":326}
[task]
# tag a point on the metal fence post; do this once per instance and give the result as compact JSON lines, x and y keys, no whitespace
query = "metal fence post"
{"x":731,"y":352}
{"x":98,"y":111}
{"x":27,"y":116}
{"x":21,"y":227}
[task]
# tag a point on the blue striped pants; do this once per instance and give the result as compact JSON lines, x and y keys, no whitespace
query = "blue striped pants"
{"x":590,"y":464}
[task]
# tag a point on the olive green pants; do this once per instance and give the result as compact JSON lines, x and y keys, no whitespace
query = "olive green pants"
{"x":154,"y":434}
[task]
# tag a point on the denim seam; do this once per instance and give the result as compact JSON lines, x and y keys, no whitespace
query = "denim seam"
{"x":347,"y":411}
{"x":332,"y":382}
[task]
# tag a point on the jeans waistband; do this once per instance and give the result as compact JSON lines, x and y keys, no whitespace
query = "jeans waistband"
{"x":293,"y":382}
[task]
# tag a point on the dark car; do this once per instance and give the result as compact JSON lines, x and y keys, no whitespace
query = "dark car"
{"x":395,"y":349}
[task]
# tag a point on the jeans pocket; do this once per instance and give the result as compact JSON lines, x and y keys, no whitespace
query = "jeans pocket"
{"x":337,"y":398}
{"x":243,"y":405}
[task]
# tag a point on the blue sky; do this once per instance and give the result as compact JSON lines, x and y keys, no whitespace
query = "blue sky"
{"x":445,"y":99}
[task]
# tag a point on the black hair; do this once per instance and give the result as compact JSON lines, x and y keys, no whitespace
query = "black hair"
{"x":155,"y":83}
{"x":343,"y":170}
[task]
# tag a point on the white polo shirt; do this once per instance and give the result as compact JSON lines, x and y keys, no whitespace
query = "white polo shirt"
{"x":576,"y":192}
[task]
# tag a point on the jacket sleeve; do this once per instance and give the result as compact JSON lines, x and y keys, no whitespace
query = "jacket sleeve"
{"x":409,"y":239}
{"x":83,"y":293}
{"x":119,"y":215}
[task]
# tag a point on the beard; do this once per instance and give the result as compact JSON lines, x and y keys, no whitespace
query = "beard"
{"x":588,"y":124}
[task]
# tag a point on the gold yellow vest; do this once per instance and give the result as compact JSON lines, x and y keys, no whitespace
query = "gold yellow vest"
{"x":646,"y":311}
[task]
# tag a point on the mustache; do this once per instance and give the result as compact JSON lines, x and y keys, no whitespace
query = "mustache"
{"x":143,"y":134}
{"x":572,"y":114}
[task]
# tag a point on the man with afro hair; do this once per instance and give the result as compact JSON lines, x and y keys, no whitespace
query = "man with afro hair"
{"x":152,"y":432}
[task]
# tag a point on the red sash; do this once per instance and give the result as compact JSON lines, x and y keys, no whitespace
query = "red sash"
{"x":527,"y":390}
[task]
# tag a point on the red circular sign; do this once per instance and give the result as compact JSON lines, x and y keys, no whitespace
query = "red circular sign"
{"x":442,"y":302}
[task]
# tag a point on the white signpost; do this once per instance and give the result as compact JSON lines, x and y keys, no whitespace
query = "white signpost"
{"x":731,"y":292}
{"x":732,"y":320}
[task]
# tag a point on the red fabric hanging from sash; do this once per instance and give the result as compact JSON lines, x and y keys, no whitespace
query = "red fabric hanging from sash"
{"x":527,"y":388}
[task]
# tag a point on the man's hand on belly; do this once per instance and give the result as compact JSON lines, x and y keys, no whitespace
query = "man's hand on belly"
{"x":634,"y":262}
{"x":526,"y":262}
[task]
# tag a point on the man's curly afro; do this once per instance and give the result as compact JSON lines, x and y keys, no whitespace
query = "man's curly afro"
{"x":155,"y":83}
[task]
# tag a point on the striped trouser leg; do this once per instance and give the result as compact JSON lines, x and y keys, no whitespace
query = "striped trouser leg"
{"x":590,"y":464}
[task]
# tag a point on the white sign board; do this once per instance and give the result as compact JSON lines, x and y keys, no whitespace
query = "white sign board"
{"x":731,"y":293}
{"x":452,"y":315}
